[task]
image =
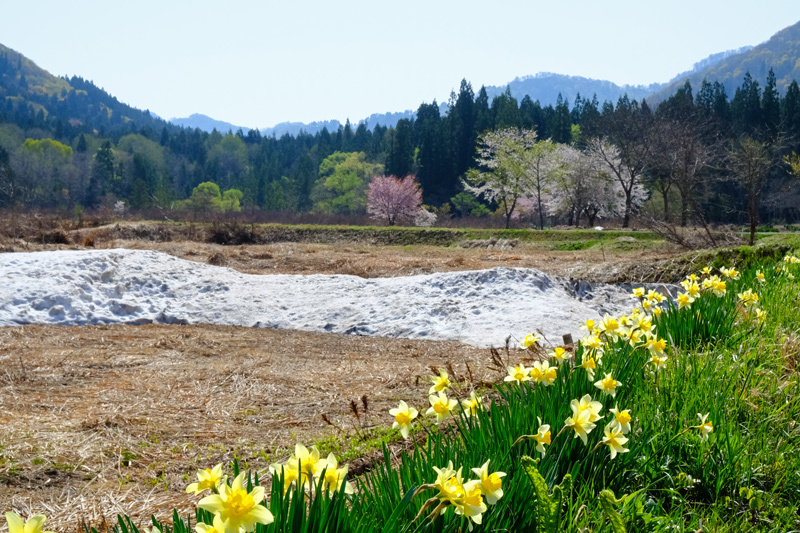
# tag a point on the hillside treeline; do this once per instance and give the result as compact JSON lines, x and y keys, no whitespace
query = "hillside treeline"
{"x":683,"y":152}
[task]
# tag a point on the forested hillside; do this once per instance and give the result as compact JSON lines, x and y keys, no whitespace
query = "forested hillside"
{"x":68,"y":145}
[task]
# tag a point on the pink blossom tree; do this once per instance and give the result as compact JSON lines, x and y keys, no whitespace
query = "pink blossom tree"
{"x":392,"y":199}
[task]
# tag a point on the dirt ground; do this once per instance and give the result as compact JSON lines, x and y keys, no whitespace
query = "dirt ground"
{"x":116,"y":419}
{"x":108,"y":419}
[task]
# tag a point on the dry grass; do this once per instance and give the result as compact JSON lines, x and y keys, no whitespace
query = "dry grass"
{"x":103,"y":420}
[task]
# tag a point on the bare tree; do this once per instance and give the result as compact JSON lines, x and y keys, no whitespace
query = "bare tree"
{"x":750,"y":162}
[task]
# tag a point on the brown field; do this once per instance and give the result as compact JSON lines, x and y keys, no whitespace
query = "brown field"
{"x":116,"y":419}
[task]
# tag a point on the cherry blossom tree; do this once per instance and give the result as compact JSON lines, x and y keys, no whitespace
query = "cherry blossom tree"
{"x":393,"y":199}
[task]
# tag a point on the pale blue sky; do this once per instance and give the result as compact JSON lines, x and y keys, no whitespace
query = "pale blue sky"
{"x":257,"y":63}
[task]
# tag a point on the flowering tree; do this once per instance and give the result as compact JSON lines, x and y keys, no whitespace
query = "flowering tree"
{"x":587,"y":188}
{"x":624,"y":168}
{"x":393,"y":199}
{"x":507,"y":176}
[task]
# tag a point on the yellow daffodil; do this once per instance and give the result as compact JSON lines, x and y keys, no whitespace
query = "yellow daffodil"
{"x":236,"y":507}
{"x":589,"y":326}
{"x":440,"y":382}
{"x":560,"y":355}
{"x":307,"y":463}
{"x":761,"y":315}
{"x":705,"y":427}
{"x":491,"y":484}
{"x":637,"y":293}
{"x":657,"y":311}
{"x":289,"y":472}
{"x":610,"y":326}
{"x":529,"y":341}
{"x":334,"y":476}
{"x":634,"y":336}
{"x":760,"y":276}
{"x":206,"y":479}
{"x":441,"y":406}
{"x":403,"y":416}
{"x":730,"y":272}
{"x":592,"y":342}
{"x":33,"y":525}
{"x":644,"y":323}
{"x":471,"y":505}
{"x":684,"y":300}
{"x":748,"y":298}
{"x":543,"y":373}
{"x":658,"y":361}
{"x":580,"y":422}
{"x":622,"y":418}
{"x":655,"y":296}
{"x":719,"y":288}
{"x":608,"y":385}
{"x":542,"y":436}
{"x":518,"y":374}
{"x":655,"y":345}
{"x":217,"y":526}
{"x":646,"y":305}
{"x":614,"y":439}
{"x":590,"y":365}
{"x":443,"y":475}
{"x":706,"y":271}
{"x":790,"y":275}
{"x":471,"y":405}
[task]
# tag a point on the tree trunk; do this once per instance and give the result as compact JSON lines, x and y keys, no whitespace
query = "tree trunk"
{"x":628,"y":208}
{"x":684,"y":210}
{"x":665,"y":195}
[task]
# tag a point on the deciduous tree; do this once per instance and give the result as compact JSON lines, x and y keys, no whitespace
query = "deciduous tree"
{"x":393,"y":199}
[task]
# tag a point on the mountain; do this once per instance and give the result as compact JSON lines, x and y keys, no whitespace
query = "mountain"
{"x":206,"y":123}
{"x":781,"y":53}
{"x":294,"y":128}
{"x":32,"y":97}
{"x":546,"y":86}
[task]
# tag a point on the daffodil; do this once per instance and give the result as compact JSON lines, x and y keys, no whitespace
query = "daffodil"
{"x":441,"y":406}
{"x":657,"y":311}
{"x":748,"y":298}
{"x":289,"y":472}
{"x":33,"y":525}
{"x":719,"y":288}
{"x":637,"y":293}
{"x":560,"y":354}
{"x":655,"y":345}
{"x":440,"y":382}
{"x":471,"y":405}
{"x":706,"y":271}
{"x":705,"y":427}
{"x":307,"y":463}
{"x":579,"y":423}
{"x":622,"y":417}
{"x":608,"y":385}
{"x":587,"y":404}
{"x":590,"y":365}
{"x":589,"y":326}
{"x":335,"y":477}
{"x":543,"y":373}
{"x":614,"y":439}
{"x":529,"y":341}
{"x":237,"y":507}
{"x":761,"y":315}
{"x":655,"y":296}
{"x":592,"y":342}
{"x":646,"y":305}
{"x":491,"y":484}
{"x":217,"y":526}
{"x":443,"y":475}
{"x":403,"y":415}
{"x":684,"y":300}
{"x":206,"y":479}
{"x":518,"y":374}
{"x":760,"y":276}
{"x":610,"y":326}
{"x":542,"y":436}
{"x":658,"y":361}
{"x":634,"y":336}
{"x":471,"y":505}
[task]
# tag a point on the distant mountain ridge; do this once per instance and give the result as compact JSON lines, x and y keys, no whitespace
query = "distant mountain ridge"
{"x":781,"y":52}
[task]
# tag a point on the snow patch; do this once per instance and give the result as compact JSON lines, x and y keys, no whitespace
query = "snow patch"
{"x":478,"y":307}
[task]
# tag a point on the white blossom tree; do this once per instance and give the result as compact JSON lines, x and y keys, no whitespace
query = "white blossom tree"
{"x":626,"y":171}
{"x":512,"y":166}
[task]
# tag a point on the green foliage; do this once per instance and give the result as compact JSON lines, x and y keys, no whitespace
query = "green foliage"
{"x":343,"y":181}
{"x":207,"y":198}
{"x":548,"y":506}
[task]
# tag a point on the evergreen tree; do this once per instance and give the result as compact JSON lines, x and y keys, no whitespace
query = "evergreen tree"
{"x":81,"y":147}
{"x":102,"y":175}
{"x":400,"y":150}
{"x":505,"y":111}
{"x":560,"y":124}
{"x":771,"y":107}
{"x":483,"y":115}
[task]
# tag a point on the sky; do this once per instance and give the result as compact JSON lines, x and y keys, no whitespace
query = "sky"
{"x":258,"y":63}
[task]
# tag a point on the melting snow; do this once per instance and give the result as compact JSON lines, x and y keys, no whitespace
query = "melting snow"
{"x":478,"y":307}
